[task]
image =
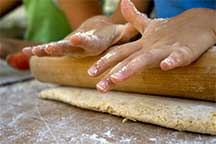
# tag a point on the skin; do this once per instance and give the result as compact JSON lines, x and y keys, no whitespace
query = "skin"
{"x":10,"y":50}
{"x":8,"y":5}
{"x":85,"y":41}
{"x":75,"y":11}
{"x":11,"y":46}
{"x":93,"y":37}
{"x":165,"y":43}
{"x":145,"y":6}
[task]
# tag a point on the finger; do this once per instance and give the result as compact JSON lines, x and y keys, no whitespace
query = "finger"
{"x":133,"y":64}
{"x":104,"y":85}
{"x":62,"y":48}
{"x":27,"y":51}
{"x":85,"y":40}
{"x":128,"y":33}
{"x":114,"y":56}
{"x":181,"y":56}
{"x":35,"y":50}
{"x":132,"y":15}
{"x":139,"y":61}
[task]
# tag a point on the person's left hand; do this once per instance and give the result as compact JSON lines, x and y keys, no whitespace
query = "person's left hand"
{"x":92,"y":38}
{"x":165,"y":43}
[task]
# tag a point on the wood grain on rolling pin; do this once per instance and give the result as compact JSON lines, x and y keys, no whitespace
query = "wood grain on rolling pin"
{"x":196,"y":81}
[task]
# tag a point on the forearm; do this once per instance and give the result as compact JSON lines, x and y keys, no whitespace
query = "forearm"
{"x":210,"y":21}
{"x":8,"y":5}
{"x":77,"y":11}
{"x":214,"y":23}
{"x":9,"y":46}
{"x":144,"y":6}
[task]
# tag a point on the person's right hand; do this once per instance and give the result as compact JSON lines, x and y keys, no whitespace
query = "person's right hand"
{"x":165,"y":43}
{"x":92,"y":38}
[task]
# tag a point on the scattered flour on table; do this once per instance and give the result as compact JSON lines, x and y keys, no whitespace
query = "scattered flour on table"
{"x":95,"y":138}
{"x":109,"y":133}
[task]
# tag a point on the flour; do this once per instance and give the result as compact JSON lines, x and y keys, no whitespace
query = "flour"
{"x":95,"y":138}
{"x":109,"y":133}
{"x":89,"y":36}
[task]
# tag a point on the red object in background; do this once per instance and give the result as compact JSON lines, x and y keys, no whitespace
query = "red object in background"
{"x":18,"y":61}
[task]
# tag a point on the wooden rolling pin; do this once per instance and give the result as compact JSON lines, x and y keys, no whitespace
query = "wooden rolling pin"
{"x":197,"y":81}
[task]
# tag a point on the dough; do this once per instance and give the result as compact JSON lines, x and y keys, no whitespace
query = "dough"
{"x":175,"y":113}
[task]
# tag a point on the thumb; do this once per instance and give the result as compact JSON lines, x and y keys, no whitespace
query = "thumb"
{"x":132,"y":15}
{"x":127,"y":33}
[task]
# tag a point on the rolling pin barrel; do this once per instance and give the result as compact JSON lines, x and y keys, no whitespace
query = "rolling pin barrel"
{"x":197,"y":81}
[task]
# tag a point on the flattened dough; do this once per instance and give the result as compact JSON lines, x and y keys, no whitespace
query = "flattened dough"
{"x":175,"y":113}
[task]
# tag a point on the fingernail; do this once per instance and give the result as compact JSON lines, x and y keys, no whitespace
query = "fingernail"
{"x":169,"y":61}
{"x":168,"y":64}
{"x":103,"y":86}
{"x":38,"y":51}
{"x":35,"y":50}
{"x":92,"y":71}
{"x":27,"y":51}
{"x":50,"y":49}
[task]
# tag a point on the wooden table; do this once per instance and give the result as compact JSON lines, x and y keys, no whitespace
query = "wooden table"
{"x":24,"y":118}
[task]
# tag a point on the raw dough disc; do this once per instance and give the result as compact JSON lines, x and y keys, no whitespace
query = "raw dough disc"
{"x":179,"y":114}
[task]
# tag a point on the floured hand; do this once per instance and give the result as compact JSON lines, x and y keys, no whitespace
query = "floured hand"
{"x":165,"y":43}
{"x":93,"y":37}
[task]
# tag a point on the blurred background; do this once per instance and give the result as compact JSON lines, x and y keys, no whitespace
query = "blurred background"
{"x":13,"y":25}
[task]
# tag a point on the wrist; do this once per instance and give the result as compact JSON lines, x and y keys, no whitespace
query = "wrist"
{"x":102,"y":18}
{"x":214,"y":20}
{"x":208,"y":17}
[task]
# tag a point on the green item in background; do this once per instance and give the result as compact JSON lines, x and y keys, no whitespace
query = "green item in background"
{"x":46,"y":22}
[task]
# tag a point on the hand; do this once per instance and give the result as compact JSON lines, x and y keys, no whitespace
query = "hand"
{"x":92,"y":38}
{"x":165,"y":43}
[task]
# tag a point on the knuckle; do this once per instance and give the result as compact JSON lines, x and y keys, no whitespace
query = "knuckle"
{"x":102,"y":62}
{"x":118,"y":67}
{"x":141,"y":59}
{"x":147,"y":55}
{"x":116,"y":52}
{"x":185,"y":55}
